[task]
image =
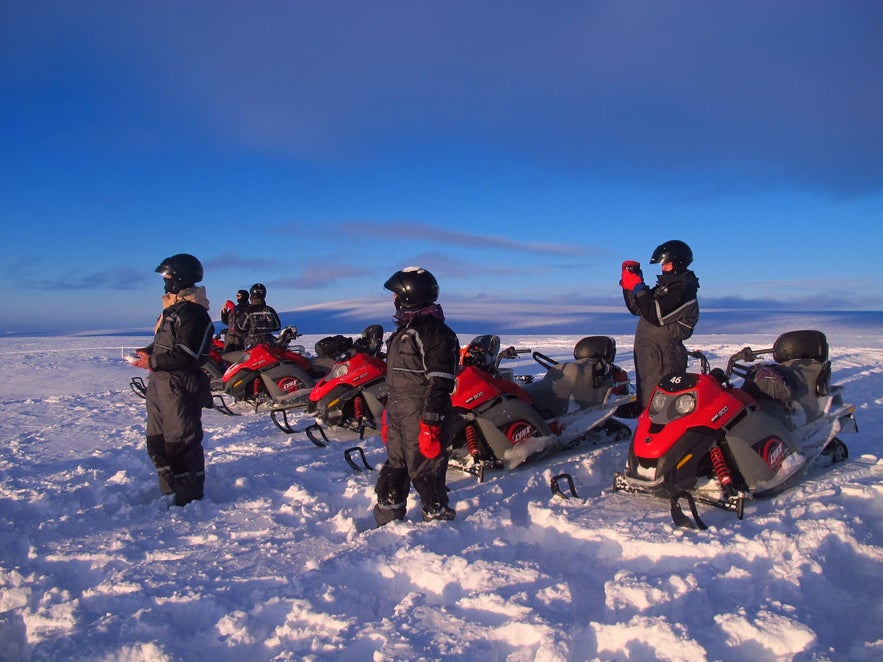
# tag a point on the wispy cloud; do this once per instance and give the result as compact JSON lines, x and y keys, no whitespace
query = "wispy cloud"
{"x":322,"y":274}
{"x":32,"y":274}
{"x":410,"y":231}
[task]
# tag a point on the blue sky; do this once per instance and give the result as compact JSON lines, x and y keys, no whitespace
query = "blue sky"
{"x":519,"y":150}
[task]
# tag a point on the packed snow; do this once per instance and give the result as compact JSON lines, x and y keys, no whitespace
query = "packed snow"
{"x":280,"y":561}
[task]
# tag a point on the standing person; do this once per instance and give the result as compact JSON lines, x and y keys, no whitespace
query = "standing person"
{"x":230,"y":313}
{"x":422,"y":358}
{"x":668,"y":313}
{"x":260,"y":320}
{"x":177,"y":388}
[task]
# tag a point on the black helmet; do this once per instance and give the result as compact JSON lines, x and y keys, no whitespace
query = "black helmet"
{"x":674,"y":251}
{"x":258,"y":291}
{"x":180,"y":271}
{"x":415,"y":287}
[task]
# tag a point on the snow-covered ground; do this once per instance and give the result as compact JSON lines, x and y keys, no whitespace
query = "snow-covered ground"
{"x":276,"y":564}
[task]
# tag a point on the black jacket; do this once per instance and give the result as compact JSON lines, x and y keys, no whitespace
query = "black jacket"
{"x":422,"y":359}
{"x":258,"y":323}
{"x":669,"y":310}
{"x":668,"y":314}
{"x":183,"y":338}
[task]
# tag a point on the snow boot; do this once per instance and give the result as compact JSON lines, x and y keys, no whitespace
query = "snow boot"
{"x":384,"y":514}
{"x":189,"y":487}
{"x":445,"y":513}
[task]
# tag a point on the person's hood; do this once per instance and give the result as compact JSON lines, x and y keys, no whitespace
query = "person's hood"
{"x":196,"y":294}
{"x":403,"y":317}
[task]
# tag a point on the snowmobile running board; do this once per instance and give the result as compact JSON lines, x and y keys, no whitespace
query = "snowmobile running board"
{"x":476,"y":469}
{"x":617,"y":431}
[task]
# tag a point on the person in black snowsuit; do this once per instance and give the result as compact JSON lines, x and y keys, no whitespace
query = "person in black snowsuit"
{"x":260,"y":320}
{"x":178,"y":389}
{"x":230,"y":313}
{"x":422,"y":358}
{"x":668,"y":314}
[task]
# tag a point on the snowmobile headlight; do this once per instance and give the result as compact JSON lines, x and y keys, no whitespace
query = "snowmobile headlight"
{"x":338,"y":370}
{"x":657,"y":404}
{"x":685,"y":403}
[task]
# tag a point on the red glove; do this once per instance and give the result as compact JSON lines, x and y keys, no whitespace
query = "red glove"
{"x":384,"y":428}
{"x":142,"y":360}
{"x":631,"y":275}
{"x":430,"y":440}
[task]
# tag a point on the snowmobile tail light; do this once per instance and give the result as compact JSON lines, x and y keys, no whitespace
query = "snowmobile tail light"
{"x":685,"y":403}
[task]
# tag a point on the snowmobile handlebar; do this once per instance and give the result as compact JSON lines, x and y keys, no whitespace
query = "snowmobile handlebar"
{"x":287,"y":334}
{"x":747,"y":355}
{"x":510,"y":353}
{"x":705,"y":367}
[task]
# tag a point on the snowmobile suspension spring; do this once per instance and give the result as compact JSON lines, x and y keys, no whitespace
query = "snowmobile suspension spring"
{"x":357,"y":408}
{"x":721,"y":470}
{"x":472,"y":442}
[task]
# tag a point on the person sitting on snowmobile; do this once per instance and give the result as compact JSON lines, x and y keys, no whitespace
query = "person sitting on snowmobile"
{"x":230,"y":314}
{"x":668,"y":313}
{"x":178,"y":389}
{"x":422,"y":358}
{"x":260,"y":320}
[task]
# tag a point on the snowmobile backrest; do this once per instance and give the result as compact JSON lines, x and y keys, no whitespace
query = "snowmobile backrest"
{"x":371,"y":341}
{"x":596,"y":347}
{"x":801,"y":345}
{"x":482,"y":352}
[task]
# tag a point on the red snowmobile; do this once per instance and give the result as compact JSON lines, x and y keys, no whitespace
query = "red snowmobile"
{"x":217,"y":365}
{"x":705,"y":440}
{"x":353,"y":394}
{"x":503,"y":421}
{"x":270,"y":374}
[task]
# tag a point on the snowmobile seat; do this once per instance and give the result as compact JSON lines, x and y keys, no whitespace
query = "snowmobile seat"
{"x":802,"y":357}
{"x":333,"y":346}
{"x":569,"y":386}
{"x":767,"y":380}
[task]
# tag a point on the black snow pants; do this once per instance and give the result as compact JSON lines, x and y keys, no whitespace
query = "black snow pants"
{"x":174,"y":433}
